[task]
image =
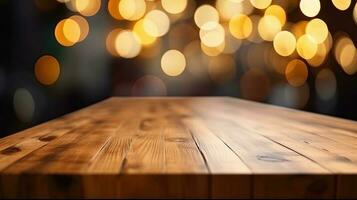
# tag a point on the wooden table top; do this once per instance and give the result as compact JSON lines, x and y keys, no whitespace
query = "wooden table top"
{"x":182,"y":147}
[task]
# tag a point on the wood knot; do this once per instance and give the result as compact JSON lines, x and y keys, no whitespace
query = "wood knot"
{"x":268,"y":158}
{"x":178,"y":139}
{"x":147,"y":124}
{"x":10,"y":150}
{"x":46,"y":138}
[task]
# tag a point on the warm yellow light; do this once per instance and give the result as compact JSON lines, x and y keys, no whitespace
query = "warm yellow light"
{"x":47,"y":70}
{"x":306,"y":46}
{"x":296,"y":73}
{"x":346,"y":55}
{"x":204,"y":14}
{"x":341,"y":4}
{"x":317,"y":29}
{"x":84,"y":7}
{"x":228,"y":8}
{"x":319,"y":57}
{"x":127,"y":44}
{"x":132,"y":9}
{"x":156,"y":23}
{"x":240,"y":26}
{"x":67,"y":32}
{"x":110,"y":42}
{"x":113,"y":9}
{"x":222,"y":69}
{"x":212,"y":34}
{"x":174,"y":6}
{"x":173,"y":62}
{"x":145,"y":38}
{"x":278,"y":12}
{"x":83,"y":24}
{"x":284,"y":43}
{"x":298,"y":29}
{"x":260,"y":4}
{"x":310,"y":8}
{"x":268,"y":27}
{"x":212,"y":51}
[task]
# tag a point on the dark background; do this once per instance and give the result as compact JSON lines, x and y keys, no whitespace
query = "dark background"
{"x":90,"y":74}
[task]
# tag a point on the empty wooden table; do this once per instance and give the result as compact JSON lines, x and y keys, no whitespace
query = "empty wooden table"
{"x":182,"y":147}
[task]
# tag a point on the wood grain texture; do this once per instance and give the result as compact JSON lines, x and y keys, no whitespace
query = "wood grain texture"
{"x":208,"y":147}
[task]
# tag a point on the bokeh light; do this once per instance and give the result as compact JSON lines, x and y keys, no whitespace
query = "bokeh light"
{"x":132,"y":9}
{"x":240,"y":26}
{"x":174,"y":6}
{"x":345,"y":54}
{"x":317,"y":29}
{"x":296,"y":73}
{"x":110,"y":42}
{"x":47,"y":70}
{"x":144,"y":37}
{"x":113,"y":9}
{"x":149,"y":85}
{"x":127,"y":44}
{"x":310,"y":8}
{"x":84,"y":26}
{"x":67,"y":32}
{"x":278,"y":12}
{"x":284,"y":43}
{"x":341,"y":4}
{"x":268,"y":27}
{"x":84,"y":7}
{"x":260,"y":4}
{"x":212,"y":34}
{"x":306,"y":46}
{"x":204,"y":14}
{"x":156,"y":23}
{"x":173,"y":62}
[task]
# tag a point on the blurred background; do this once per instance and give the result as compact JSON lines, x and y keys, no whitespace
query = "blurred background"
{"x":58,"y":56}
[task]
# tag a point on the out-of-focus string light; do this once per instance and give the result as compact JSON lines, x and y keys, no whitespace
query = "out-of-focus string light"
{"x":127,"y":44}
{"x":204,"y":14}
{"x":298,"y":29}
{"x":24,"y":105}
{"x":67,"y":32}
{"x":113,"y":9}
{"x":110,"y":42}
{"x":278,"y":12}
{"x":228,"y":8}
{"x":296,"y":73}
{"x":320,"y":56}
{"x":317,"y":29}
{"x":145,"y":38}
{"x":132,"y":9}
{"x":240,"y":26}
{"x":212,"y":34}
{"x":306,"y":46}
{"x":174,"y":6}
{"x":84,"y":7}
{"x":47,"y":70}
{"x":341,"y":4}
{"x":268,"y":27}
{"x":156,"y":23}
{"x":212,"y":51}
{"x":84,"y":26}
{"x":173,"y":62}
{"x":260,"y":4}
{"x":310,"y":8}
{"x":346,"y":55}
{"x":284,"y":43}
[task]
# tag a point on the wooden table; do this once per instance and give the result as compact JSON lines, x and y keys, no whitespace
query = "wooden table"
{"x":182,"y":147}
